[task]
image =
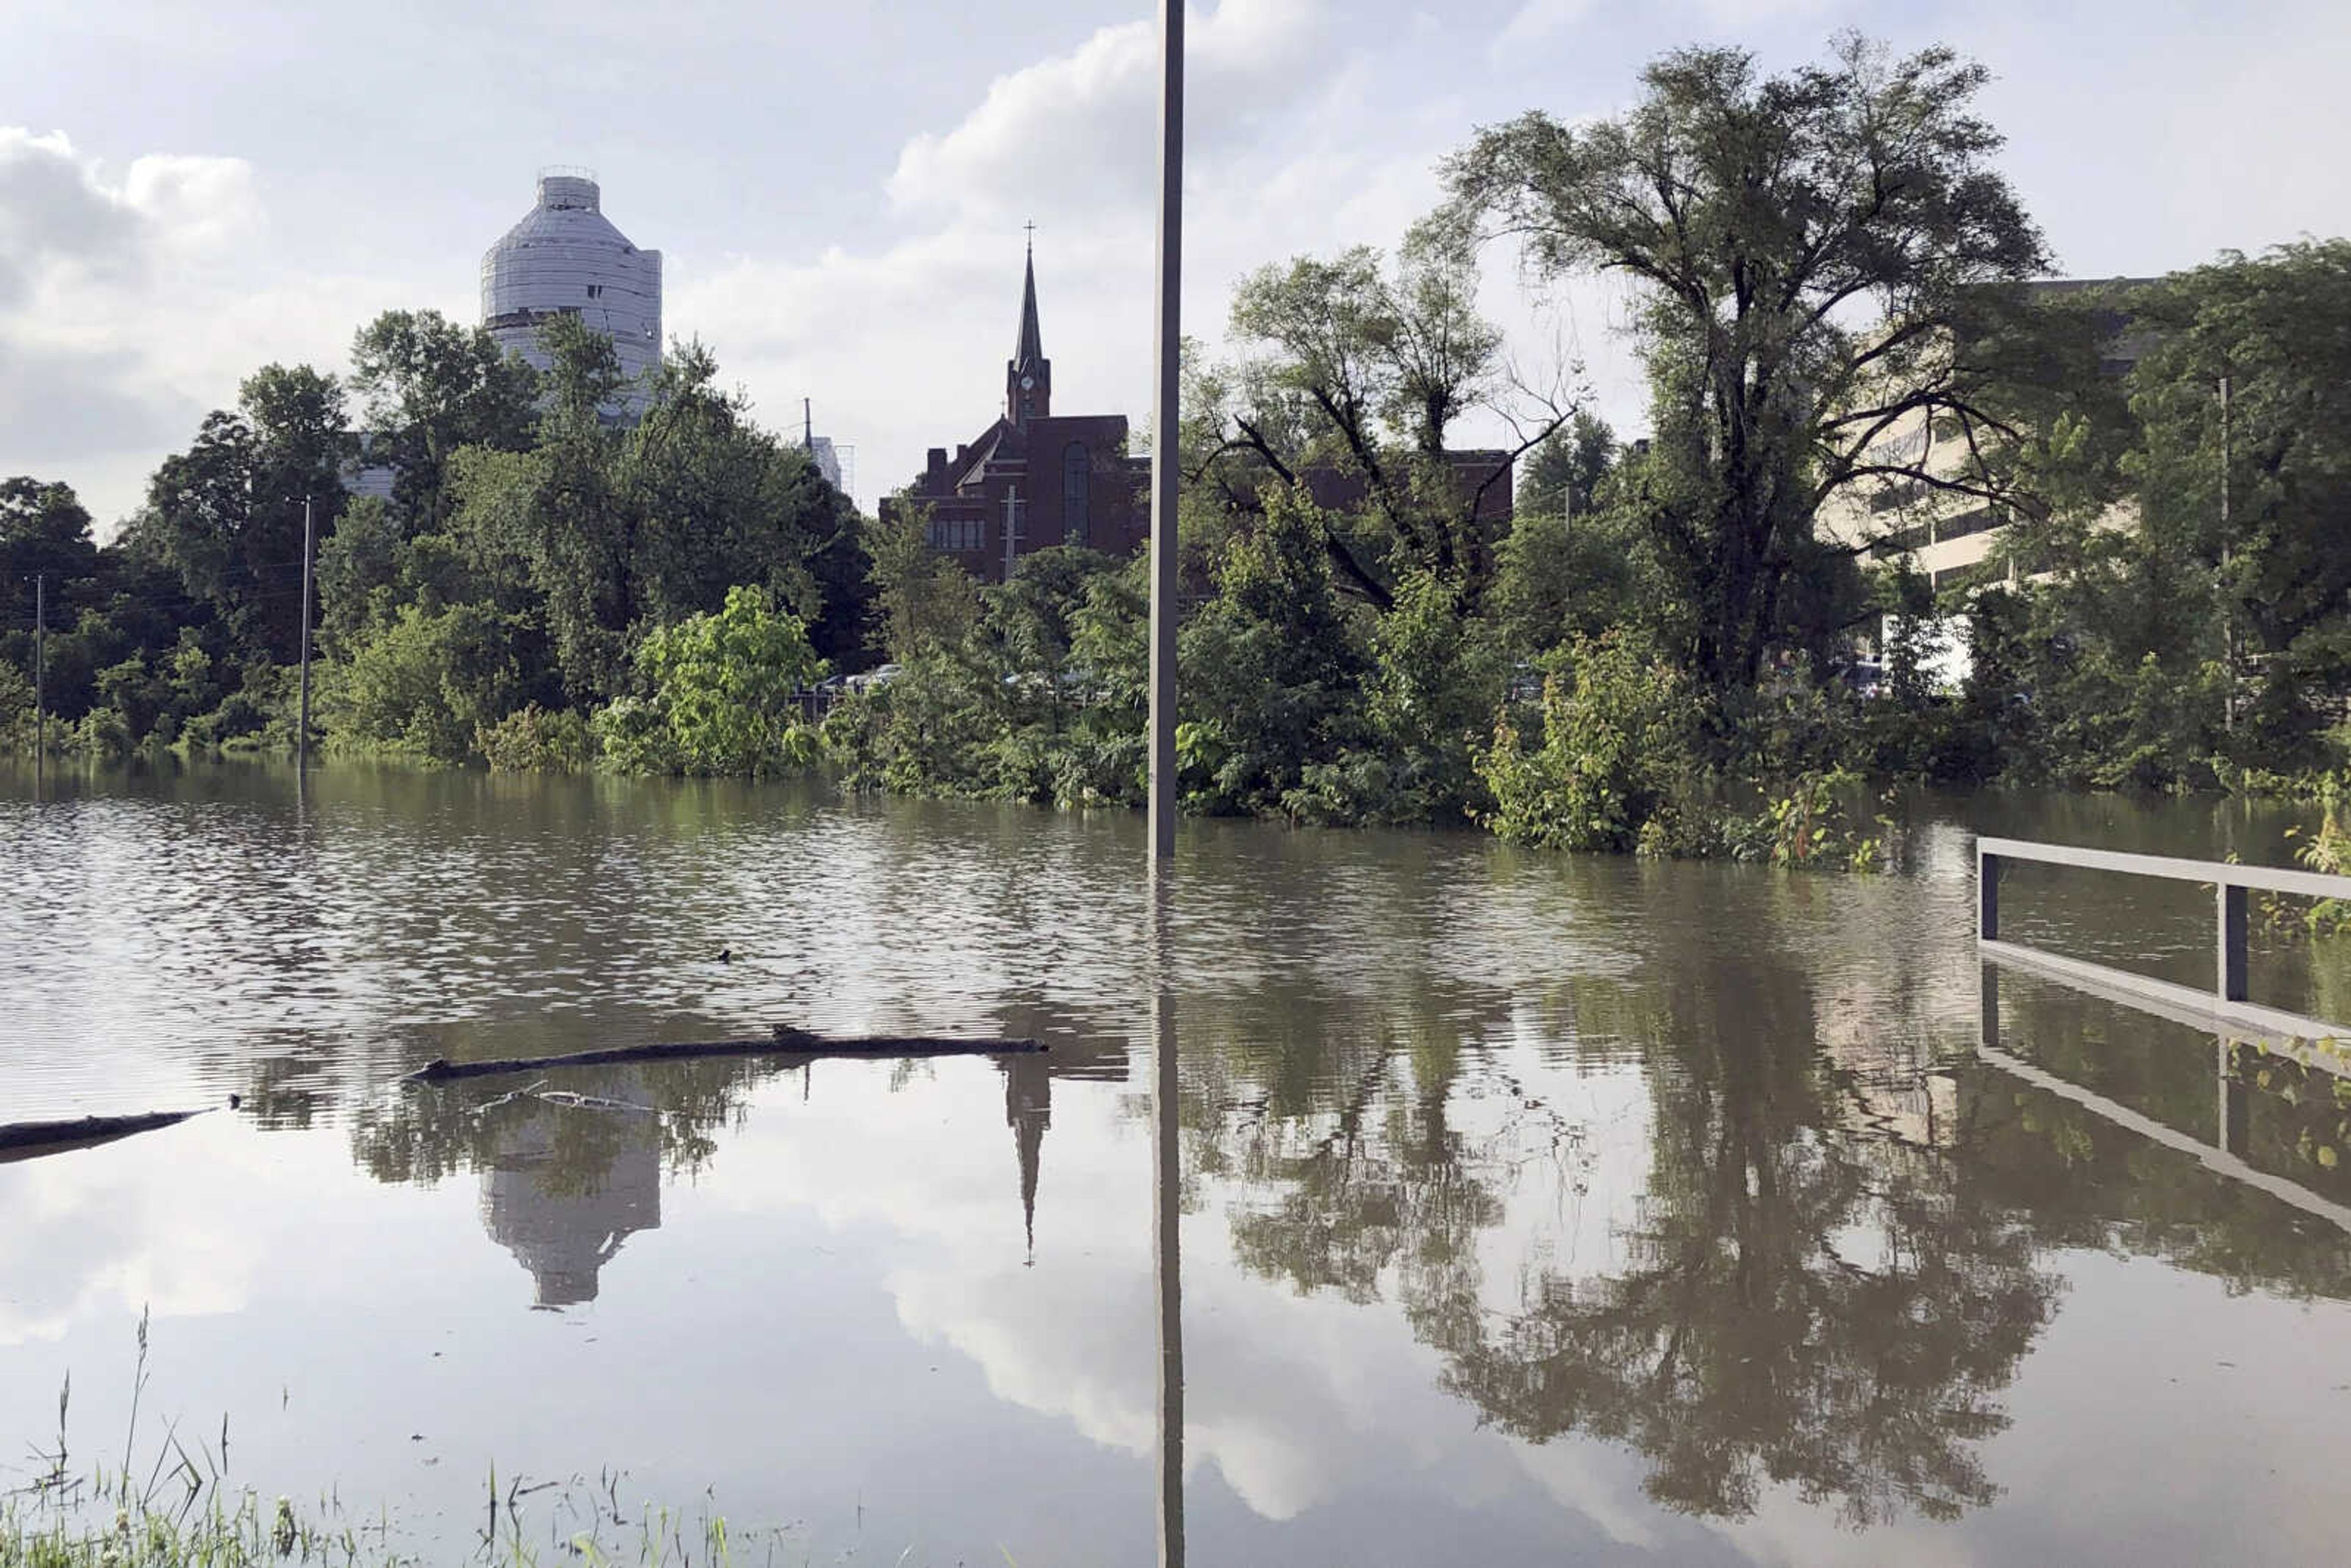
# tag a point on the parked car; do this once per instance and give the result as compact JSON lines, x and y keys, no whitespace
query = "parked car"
{"x":1866,"y":677}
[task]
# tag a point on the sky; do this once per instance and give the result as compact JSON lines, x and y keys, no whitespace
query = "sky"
{"x":839,"y":192}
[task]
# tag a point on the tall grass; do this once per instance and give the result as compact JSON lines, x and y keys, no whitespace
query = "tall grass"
{"x":179,"y":1509}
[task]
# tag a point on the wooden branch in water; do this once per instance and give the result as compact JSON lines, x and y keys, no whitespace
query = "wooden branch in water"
{"x":789,"y":1042}
{"x":31,"y":1140}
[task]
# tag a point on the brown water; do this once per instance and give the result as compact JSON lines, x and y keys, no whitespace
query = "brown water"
{"x":1532,"y":1209}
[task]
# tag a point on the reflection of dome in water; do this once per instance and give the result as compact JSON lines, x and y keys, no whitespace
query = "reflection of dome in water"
{"x":564,"y":1226}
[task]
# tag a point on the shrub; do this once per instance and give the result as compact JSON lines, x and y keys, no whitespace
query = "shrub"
{"x":725,"y":693}
{"x":533,"y":740}
{"x":1619,"y":753}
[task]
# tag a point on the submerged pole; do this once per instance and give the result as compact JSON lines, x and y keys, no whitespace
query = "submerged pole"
{"x":40,"y":668}
{"x":1168,"y":349}
{"x":1166,"y":1225}
{"x":302,"y":737}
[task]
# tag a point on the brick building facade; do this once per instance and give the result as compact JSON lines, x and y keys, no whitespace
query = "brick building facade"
{"x":1046,"y":479}
{"x":1041,"y":478}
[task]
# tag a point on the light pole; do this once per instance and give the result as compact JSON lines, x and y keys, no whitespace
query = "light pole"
{"x":1167,"y":347}
{"x":302,"y":738}
{"x":1166,"y":1208}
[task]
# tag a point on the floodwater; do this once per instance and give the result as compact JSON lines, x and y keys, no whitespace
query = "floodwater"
{"x":1528,"y":1207}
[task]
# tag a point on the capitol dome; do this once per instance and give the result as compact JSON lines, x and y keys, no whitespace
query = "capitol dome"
{"x":565,"y":259}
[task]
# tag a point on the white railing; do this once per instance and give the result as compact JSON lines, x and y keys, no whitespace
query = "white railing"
{"x":2229,"y":997}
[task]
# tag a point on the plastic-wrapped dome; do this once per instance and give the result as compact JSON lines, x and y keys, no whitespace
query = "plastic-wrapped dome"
{"x":566,"y":259}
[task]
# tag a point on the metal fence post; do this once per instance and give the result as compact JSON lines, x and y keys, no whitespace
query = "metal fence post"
{"x":2231,"y":909}
{"x":1987,"y":896}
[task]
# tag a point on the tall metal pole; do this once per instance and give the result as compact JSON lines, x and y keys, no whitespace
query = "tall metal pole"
{"x":1167,"y":346}
{"x":302,"y":738}
{"x":40,"y":668}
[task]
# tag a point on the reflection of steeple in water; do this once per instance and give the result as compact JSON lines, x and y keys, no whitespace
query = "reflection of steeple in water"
{"x":1028,"y":1111}
{"x":566,"y":1189}
{"x":1082,"y":1049}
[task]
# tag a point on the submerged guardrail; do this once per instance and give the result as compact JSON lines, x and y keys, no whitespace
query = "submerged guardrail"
{"x":2226,"y":1010}
{"x":2230,"y":998}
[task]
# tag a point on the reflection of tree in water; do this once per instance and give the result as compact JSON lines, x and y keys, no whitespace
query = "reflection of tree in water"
{"x":425,"y":1133}
{"x":1802,"y":1303}
{"x":1381,"y":1180}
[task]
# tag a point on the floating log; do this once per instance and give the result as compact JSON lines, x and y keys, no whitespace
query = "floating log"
{"x":31,"y":1140}
{"x":792,"y":1042}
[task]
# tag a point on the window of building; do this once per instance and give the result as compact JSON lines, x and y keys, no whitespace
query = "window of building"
{"x":1077,"y":478}
{"x":955,"y":533}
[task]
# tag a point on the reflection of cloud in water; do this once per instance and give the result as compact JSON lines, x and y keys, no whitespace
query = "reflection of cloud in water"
{"x":99,"y":1232}
{"x":1293,"y":1399}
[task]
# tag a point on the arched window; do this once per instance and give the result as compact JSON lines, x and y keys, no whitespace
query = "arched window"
{"x":1077,"y":474}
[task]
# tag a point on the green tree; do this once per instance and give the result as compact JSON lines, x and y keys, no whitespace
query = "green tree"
{"x":1809,"y":247}
{"x":2278,"y":329}
{"x":924,"y":602}
{"x":44,"y":529}
{"x":1358,"y":371}
{"x":1617,"y":758}
{"x":1273,"y":667}
{"x":428,"y":387}
{"x":226,"y":515}
{"x":1562,"y":471}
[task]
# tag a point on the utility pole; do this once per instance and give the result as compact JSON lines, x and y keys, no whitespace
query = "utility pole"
{"x":302,"y":738}
{"x":40,"y":668}
{"x":2228,"y":603}
{"x":1166,"y":461}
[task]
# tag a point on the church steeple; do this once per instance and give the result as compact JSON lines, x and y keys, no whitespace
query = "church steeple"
{"x":1029,"y":374}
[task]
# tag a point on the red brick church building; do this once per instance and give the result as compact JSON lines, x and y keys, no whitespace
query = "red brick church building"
{"x":1033,"y":478}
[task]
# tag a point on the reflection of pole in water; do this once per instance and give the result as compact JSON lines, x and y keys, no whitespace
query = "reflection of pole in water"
{"x":1166,"y":1220}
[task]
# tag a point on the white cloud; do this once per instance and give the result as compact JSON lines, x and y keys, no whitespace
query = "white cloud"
{"x":1081,"y":125}
{"x":53,"y":213}
{"x":130,"y":304}
{"x":1539,"y":19}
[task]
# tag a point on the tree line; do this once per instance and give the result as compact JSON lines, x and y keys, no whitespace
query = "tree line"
{"x":1656,"y":653}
